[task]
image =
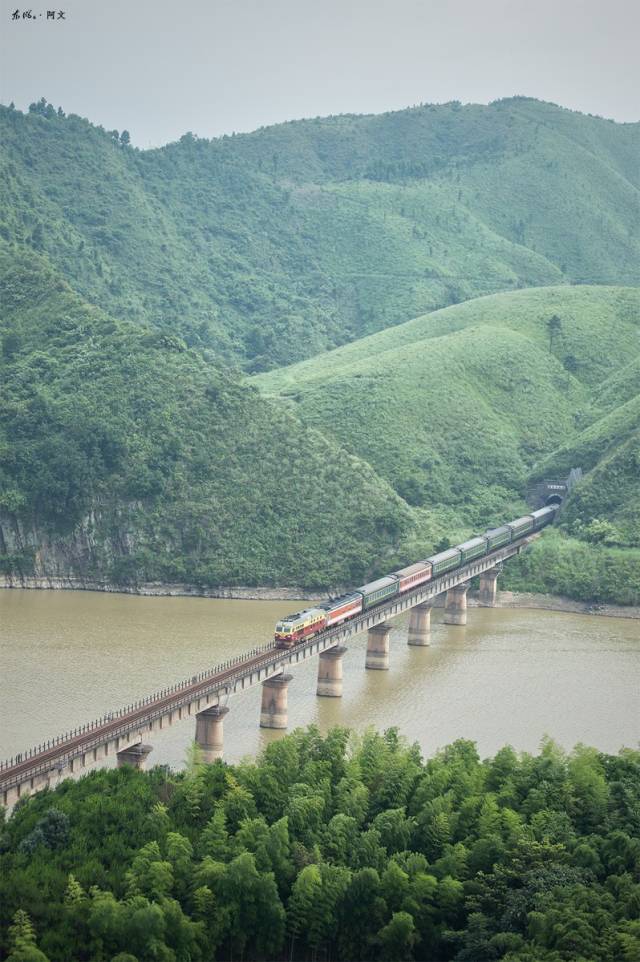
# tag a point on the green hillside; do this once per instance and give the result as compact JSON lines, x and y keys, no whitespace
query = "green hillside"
{"x":138,"y":284}
{"x":585,"y":334}
{"x":273,"y":246}
{"x":455,"y":408}
{"x":461,"y":409}
{"x":126,"y":457}
{"x":609,"y":450}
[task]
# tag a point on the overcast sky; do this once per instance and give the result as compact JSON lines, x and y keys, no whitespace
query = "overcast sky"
{"x":160,"y":68}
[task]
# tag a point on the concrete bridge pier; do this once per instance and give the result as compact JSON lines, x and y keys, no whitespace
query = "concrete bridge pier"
{"x":209,"y":732}
{"x":330,"y":672}
{"x":9,"y":797}
{"x":135,"y":755}
{"x":56,"y":776}
{"x":420,"y":625}
{"x":12,"y":795}
{"x":455,"y":609}
{"x":378,"y":647}
{"x":488,"y":590}
{"x":273,"y":711}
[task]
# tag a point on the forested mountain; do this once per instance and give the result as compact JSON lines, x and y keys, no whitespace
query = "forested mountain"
{"x":128,"y":457}
{"x":348,"y":848}
{"x":272,"y":246}
{"x":139,"y":286}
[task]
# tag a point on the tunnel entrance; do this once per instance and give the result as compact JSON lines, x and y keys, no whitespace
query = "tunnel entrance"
{"x":552,"y":491}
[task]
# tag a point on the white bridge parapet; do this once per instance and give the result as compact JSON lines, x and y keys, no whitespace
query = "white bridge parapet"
{"x":88,"y":746}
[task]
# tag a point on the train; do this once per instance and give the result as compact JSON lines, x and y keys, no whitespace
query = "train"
{"x":299,"y":627}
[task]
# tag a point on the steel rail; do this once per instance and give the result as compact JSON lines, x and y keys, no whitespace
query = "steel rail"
{"x":226,"y":677}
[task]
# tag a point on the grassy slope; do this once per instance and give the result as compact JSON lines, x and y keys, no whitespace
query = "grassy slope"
{"x":609,"y":450}
{"x":275,"y":245}
{"x":586,"y":334}
{"x":164,"y":466}
{"x":485,"y":404}
{"x":481,"y":395}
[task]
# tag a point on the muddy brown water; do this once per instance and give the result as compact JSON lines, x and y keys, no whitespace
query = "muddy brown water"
{"x":509,"y":676}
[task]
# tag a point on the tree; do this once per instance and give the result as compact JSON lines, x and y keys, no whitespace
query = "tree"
{"x":395,"y":886}
{"x":554,"y":326}
{"x":214,"y":840}
{"x":22,"y":938}
{"x":278,"y":850}
{"x":341,"y":838}
{"x":360,"y":914}
{"x":598,"y":531}
{"x":125,"y":138}
{"x":352,"y":799}
{"x":252,"y":906}
{"x":37,"y":237}
{"x":159,"y":821}
{"x":395,"y":829}
{"x":149,"y":874}
{"x":179,"y":855}
{"x":302,"y":910}
{"x":398,"y":938}
{"x":74,"y":892}
{"x":52,"y":831}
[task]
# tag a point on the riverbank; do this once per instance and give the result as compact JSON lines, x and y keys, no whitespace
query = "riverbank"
{"x":505,"y":599}
{"x":159,"y":589}
{"x":528,"y":599}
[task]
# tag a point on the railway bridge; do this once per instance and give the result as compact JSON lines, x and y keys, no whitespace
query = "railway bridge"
{"x":127,"y":732}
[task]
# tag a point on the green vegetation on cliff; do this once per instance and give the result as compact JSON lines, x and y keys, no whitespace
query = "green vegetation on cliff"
{"x":609,"y":450}
{"x":128,"y":457}
{"x":344,"y":847}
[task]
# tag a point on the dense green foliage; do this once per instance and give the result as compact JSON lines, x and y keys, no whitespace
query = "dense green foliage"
{"x":609,"y":450}
{"x":344,"y":847}
{"x":460,"y":409}
{"x":134,"y":282}
{"x":274,"y":245}
{"x":134,"y":458}
{"x":589,"y":568}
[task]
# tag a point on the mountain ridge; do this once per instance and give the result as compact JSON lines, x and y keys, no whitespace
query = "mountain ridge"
{"x":312,"y":242}
{"x":272,"y":246}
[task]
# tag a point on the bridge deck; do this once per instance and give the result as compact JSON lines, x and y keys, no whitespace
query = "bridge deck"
{"x":224,"y":680}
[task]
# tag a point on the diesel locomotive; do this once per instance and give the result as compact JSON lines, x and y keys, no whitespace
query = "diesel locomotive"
{"x":293,"y":629}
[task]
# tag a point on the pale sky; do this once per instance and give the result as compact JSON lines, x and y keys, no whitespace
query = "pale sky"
{"x":160,"y":68}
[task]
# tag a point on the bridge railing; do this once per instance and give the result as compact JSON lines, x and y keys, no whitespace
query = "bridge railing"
{"x":147,"y":702}
{"x":60,"y":741}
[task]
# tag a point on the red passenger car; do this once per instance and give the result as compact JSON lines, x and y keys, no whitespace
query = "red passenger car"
{"x":413,"y":575}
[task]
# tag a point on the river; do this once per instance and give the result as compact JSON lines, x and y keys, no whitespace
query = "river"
{"x":509,"y":676}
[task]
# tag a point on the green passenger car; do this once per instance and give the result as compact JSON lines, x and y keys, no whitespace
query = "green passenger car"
{"x":497,"y":537}
{"x":380,"y":590}
{"x":521,"y":526}
{"x":474,"y":548}
{"x":444,"y":561}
